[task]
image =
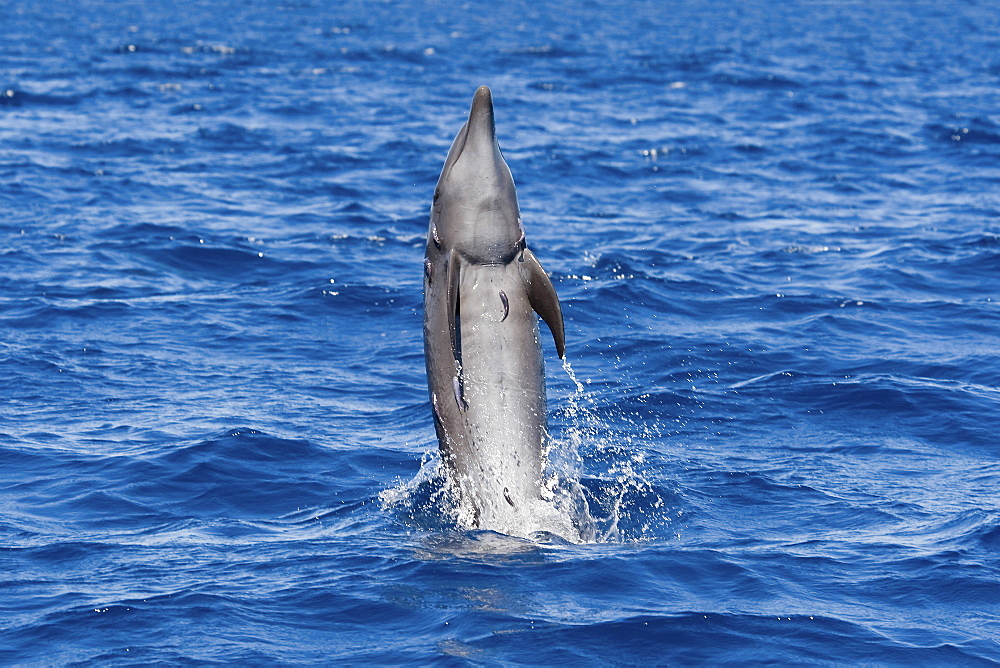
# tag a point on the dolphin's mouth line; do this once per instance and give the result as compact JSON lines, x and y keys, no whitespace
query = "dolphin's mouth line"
{"x":502,"y":260}
{"x":491,"y":263}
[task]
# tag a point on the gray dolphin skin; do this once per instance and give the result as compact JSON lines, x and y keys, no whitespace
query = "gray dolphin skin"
{"x":482,"y":289}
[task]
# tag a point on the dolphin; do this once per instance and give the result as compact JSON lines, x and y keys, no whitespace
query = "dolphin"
{"x":485,"y":372}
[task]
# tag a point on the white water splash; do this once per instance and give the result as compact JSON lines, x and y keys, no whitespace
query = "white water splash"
{"x":625,"y":506}
{"x":430,"y":501}
{"x":615,"y":502}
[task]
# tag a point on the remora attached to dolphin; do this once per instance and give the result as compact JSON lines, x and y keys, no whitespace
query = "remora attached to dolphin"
{"x":482,"y":289}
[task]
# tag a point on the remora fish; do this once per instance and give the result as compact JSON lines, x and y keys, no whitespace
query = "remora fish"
{"x":482,"y":289}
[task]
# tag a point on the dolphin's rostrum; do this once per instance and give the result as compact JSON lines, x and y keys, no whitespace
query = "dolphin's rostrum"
{"x":484,"y":365}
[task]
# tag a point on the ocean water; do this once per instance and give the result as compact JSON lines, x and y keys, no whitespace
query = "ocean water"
{"x":775,"y":232}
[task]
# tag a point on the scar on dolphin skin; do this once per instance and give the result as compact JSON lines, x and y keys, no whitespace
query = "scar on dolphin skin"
{"x":506,"y":305}
{"x":506,"y":495}
{"x":434,"y":407}
{"x":428,"y":269}
{"x":459,"y":399}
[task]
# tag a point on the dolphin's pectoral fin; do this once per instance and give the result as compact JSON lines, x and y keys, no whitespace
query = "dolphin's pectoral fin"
{"x":454,"y":274}
{"x":543,"y":299}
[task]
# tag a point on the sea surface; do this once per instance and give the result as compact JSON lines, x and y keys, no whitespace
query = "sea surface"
{"x":775,"y":232}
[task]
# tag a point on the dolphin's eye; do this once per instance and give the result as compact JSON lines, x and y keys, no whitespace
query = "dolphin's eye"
{"x":437,"y":193}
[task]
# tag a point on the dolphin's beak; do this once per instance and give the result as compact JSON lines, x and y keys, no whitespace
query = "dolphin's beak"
{"x":478,"y":134}
{"x":481,"y":127}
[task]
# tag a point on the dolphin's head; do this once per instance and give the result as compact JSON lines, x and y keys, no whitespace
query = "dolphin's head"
{"x":475,"y":206}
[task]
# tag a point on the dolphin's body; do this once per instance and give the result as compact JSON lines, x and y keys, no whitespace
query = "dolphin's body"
{"x":482,"y":288}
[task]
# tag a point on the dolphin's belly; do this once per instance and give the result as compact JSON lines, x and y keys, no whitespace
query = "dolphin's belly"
{"x":503,"y":384}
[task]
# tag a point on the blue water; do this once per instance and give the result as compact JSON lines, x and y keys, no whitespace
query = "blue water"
{"x":775,"y":231}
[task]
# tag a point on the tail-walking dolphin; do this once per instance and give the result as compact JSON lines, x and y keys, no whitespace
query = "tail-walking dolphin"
{"x":485,"y":372}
